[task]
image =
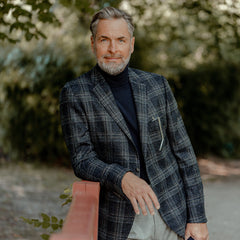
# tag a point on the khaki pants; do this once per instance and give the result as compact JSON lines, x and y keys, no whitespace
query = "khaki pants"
{"x":151,"y":228}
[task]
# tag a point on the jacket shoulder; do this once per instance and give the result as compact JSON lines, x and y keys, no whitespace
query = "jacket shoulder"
{"x":80,"y":84}
{"x":149,"y":77}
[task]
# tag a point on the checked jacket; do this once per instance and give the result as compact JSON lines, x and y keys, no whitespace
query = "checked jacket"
{"x":102,"y":150}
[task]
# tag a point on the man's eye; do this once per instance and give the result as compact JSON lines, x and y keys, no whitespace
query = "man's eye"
{"x":103,"y":40}
{"x":121,"y":41}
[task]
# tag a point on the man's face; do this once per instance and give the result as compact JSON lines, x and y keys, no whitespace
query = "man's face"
{"x":112,"y":45}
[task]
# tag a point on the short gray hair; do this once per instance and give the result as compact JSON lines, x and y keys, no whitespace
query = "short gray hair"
{"x":108,"y":13}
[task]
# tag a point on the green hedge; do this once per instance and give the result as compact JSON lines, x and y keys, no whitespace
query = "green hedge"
{"x":209,"y":98}
{"x":29,"y":122}
{"x":30,"y":84}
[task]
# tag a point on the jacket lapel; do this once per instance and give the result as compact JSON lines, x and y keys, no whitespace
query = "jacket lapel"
{"x":140,"y":99}
{"x":106,"y":98}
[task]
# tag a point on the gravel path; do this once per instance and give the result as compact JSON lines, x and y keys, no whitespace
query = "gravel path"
{"x":28,"y":190}
{"x":222,"y":194}
{"x":223,"y":208}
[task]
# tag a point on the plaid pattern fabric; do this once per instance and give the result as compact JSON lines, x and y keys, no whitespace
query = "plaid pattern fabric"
{"x":102,"y":150}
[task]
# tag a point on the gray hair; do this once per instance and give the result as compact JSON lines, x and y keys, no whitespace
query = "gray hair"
{"x":108,"y":13}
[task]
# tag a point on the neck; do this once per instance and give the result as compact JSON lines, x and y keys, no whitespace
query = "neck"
{"x":115,"y":80}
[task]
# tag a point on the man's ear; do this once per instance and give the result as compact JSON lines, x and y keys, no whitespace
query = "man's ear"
{"x":92,"y":43}
{"x":132,"y":44}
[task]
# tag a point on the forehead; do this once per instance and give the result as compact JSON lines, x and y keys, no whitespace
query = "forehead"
{"x":113,"y":27}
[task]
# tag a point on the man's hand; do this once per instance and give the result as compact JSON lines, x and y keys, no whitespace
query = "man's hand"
{"x":198,"y":231}
{"x":139,"y":193}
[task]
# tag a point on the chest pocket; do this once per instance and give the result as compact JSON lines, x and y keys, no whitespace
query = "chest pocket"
{"x":156,"y":126}
{"x":158,"y":119}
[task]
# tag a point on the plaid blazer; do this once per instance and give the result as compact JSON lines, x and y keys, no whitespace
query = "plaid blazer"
{"x":102,"y":150}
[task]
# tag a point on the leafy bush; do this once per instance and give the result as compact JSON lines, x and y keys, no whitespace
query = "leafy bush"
{"x":52,"y":223}
{"x":29,"y":121}
{"x":209,"y":100}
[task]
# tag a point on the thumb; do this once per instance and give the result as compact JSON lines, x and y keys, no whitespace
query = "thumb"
{"x":187,"y":236}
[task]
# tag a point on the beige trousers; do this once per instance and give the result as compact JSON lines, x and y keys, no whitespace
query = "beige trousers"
{"x":151,"y":228}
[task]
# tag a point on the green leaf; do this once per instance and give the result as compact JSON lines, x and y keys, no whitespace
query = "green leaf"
{"x":36,"y":223}
{"x":54,"y":219}
{"x":63,"y":196}
{"x":45,"y":17}
{"x":44,"y":5}
{"x":29,"y":25}
{"x":55,"y":226}
{"x":45,"y":217}
{"x":11,"y":40}
{"x":61,"y":222}
{"x":46,"y":225}
{"x":69,"y":200}
{"x":29,"y":36}
{"x":6,"y":8}
{"x":39,"y":33}
{"x":27,"y":220}
{"x":18,"y":11}
{"x":45,"y":236}
{"x":67,"y":190}
{"x":2,"y":35}
{"x":17,"y":25}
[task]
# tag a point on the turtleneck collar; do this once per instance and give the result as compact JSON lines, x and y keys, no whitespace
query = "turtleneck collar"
{"x":115,"y":81}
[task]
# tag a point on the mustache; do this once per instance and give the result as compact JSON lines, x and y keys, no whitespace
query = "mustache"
{"x":112,"y":56}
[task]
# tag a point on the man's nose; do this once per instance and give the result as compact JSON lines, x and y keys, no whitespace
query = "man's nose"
{"x":112,"y":47}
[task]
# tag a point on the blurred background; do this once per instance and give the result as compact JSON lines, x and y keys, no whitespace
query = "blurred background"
{"x":195,"y":44}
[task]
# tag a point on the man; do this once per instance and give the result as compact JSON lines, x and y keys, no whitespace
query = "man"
{"x":123,"y":129}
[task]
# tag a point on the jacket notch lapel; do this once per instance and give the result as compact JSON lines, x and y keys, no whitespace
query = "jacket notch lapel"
{"x":106,"y":98}
{"x":140,"y":99}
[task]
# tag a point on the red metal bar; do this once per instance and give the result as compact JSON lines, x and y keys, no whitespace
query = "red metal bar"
{"x":82,"y":219}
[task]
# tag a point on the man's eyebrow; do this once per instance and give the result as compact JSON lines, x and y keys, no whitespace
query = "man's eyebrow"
{"x":122,"y":37}
{"x":102,"y":36}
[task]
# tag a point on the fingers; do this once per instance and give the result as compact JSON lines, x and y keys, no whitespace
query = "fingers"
{"x":154,"y":200}
{"x":139,"y":193}
{"x":142,"y":205}
{"x":135,"y":206}
{"x":197,"y":231}
{"x":187,"y":236}
{"x":144,"y":201}
{"x":148,"y":202}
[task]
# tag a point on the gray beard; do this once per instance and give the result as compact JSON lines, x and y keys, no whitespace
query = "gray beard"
{"x":114,"y":68}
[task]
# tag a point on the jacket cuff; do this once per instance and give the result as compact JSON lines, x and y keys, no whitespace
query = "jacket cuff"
{"x":114,"y":179}
{"x":196,"y":213}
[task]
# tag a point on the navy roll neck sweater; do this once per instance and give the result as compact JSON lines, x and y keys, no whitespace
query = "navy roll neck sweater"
{"x":122,"y":92}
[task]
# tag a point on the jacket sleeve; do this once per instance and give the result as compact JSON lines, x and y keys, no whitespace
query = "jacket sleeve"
{"x":184,"y":153}
{"x":85,"y":162}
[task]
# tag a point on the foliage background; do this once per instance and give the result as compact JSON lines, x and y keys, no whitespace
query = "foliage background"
{"x":194,"y":44}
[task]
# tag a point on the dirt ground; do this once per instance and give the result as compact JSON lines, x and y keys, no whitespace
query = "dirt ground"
{"x":28,"y":190}
{"x":222,"y":195}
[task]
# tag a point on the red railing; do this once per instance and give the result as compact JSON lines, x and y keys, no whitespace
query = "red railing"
{"x":82,"y":219}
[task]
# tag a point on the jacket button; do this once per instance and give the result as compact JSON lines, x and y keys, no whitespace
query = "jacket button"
{"x":137,"y":169}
